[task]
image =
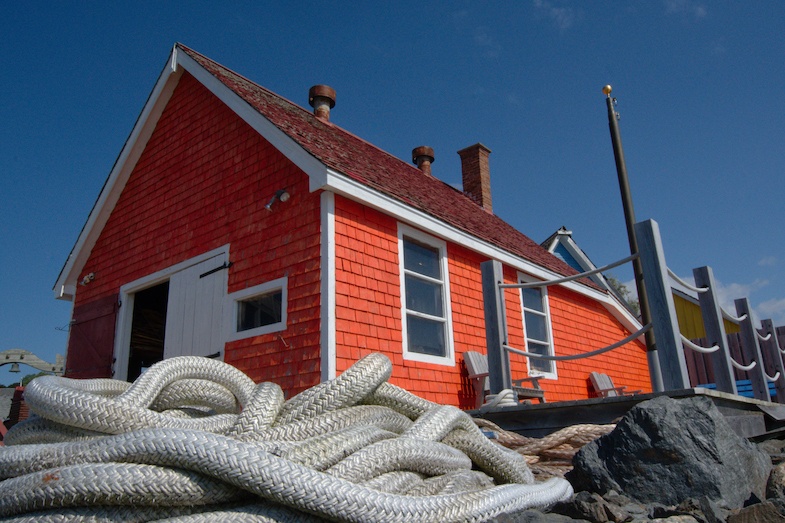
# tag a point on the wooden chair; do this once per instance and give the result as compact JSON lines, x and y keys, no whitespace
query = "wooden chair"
{"x":604,"y":387}
{"x":477,"y":365}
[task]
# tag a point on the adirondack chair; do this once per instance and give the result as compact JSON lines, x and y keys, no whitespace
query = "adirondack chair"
{"x":477,"y":365}
{"x":604,"y":387}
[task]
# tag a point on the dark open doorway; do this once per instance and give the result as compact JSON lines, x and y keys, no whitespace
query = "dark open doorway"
{"x":148,"y":329}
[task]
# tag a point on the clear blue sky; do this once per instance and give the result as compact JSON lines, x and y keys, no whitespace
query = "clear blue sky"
{"x":701,"y":90}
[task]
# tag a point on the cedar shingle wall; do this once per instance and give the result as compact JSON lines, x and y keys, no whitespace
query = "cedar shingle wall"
{"x":202,"y":182}
{"x":369,"y":317}
{"x":581,"y":325}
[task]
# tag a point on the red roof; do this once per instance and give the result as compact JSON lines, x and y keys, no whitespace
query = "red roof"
{"x":345,"y":153}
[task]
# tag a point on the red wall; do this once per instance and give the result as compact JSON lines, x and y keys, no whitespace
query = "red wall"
{"x":369,"y":318}
{"x":202,"y":182}
{"x":579,"y":325}
{"x":368,"y":305}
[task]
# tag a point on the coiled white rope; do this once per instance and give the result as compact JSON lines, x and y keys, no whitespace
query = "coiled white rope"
{"x":505,"y":398}
{"x":352,"y":449}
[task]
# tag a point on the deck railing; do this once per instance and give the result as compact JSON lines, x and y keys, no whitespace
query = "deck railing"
{"x":667,"y":362}
{"x":499,"y":374}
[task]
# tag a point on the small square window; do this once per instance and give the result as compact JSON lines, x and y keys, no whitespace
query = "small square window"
{"x":257,"y":310}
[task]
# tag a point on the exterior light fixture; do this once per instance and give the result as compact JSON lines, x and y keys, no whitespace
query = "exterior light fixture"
{"x":280,"y":195}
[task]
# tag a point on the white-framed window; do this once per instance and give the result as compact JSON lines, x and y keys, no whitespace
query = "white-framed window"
{"x":537,"y":328}
{"x":260,"y":309}
{"x":425,"y":298}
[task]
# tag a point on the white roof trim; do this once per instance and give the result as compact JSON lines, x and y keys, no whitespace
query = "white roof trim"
{"x":355,"y":190}
{"x":611,"y":301}
{"x":65,"y":287}
{"x":280,"y":140}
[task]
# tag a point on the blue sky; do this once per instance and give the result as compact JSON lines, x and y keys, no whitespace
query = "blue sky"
{"x":700,"y":88}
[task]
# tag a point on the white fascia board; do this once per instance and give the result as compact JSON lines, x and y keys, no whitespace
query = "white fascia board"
{"x":280,"y":140}
{"x":65,"y":287}
{"x":328,"y":339}
{"x":354,"y":190}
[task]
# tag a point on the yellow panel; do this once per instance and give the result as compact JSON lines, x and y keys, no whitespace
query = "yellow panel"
{"x":691,"y":322}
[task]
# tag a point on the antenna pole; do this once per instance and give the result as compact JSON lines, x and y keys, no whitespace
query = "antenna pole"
{"x":629,"y":219}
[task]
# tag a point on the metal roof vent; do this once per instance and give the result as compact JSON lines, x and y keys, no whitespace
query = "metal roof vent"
{"x":422,"y":157}
{"x":322,"y":99}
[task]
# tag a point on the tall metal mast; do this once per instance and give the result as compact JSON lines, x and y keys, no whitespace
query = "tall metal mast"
{"x":629,"y":218}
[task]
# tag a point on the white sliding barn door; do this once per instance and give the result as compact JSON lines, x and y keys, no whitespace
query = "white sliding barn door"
{"x":194,"y":313}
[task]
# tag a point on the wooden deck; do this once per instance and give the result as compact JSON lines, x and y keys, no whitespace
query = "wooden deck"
{"x":749,"y":417}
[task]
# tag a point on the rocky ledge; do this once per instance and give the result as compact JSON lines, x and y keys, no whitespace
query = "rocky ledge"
{"x":672,"y":460}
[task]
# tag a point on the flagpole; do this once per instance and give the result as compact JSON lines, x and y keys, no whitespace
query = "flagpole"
{"x":629,"y":219}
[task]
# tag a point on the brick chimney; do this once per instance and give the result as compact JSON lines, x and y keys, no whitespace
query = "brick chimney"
{"x":477,"y":174}
{"x":322,"y":99}
{"x":422,"y":156}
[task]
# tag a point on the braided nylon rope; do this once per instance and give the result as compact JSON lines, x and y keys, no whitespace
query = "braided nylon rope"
{"x":550,"y":455}
{"x":196,"y":440}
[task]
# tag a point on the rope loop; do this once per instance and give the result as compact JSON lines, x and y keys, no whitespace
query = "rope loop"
{"x":195,"y":438}
{"x":698,"y":348}
{"x":745,"y":368}
{"x":688,"y":286}
{"x":762,"y":338}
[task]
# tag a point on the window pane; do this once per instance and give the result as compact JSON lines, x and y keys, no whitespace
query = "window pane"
{"x":424,"y":296}
{"x":532,"y":299}
{"x":536,"y":363}
{"x":259,"y":311}
{"x":425,"y":336}
{"x":420,"y":258}
{"x":536,"y":328}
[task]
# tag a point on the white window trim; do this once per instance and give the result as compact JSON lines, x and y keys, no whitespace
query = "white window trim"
{"x":524,"y":278}
{"x":230,"y":309}
{"x":449,"y":358}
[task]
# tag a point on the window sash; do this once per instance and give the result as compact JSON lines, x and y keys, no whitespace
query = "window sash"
{"x":537,"y":329}
{"x":245,"y":310}
{"x":425,"y":303}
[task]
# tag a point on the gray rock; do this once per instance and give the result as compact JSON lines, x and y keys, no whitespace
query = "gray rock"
{"x":676,"y":519}
{"x":592,"y":507}
{"x":533,"y":516}
{"x":766,"y":512}
{"x":667,"y":451}
{"x":775,"y":488}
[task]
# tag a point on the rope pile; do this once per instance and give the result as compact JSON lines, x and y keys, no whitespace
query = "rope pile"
{"x":550,"y":456}
{"x":194,"y":440}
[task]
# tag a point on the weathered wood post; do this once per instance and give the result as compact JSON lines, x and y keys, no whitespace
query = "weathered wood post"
{"x":670,"y":363}
{"x":715,"y":330}
{"x":772,"y":348}
{"x":499,"y":377}
{"x":751,"y":350}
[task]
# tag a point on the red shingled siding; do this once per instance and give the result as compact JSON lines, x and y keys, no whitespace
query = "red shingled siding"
{"x":582,"y":325}
{"x":367,"y":296}
{"x":202,"y":182}
{"x":368,"y":306}
{"x":579,"y":325}
{"x":368,"y":317}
